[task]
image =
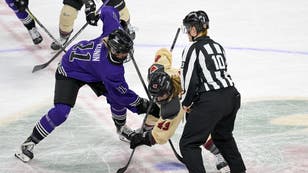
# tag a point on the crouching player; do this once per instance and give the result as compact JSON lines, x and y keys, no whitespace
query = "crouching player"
{"x":165,"y":86}
{"x":97,"y":63}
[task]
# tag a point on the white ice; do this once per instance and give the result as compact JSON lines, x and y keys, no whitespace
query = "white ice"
{"x":266,"y":46}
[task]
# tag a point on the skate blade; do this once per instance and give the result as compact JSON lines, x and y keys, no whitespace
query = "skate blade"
{"x":24,"y":158}
{"x":122,"y":138}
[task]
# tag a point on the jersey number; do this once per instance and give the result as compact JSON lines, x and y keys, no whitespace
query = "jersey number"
{"x":163,"y":125}
{"x":219,"y":62}
{"x":79,"y":56}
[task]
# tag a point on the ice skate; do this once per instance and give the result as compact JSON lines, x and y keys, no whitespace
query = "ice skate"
{"x":35,"y":35}
{"x":125,"y":133}
{"x":26,"y":153}
{"x":221,"y":164}
{"x":56,"y":45}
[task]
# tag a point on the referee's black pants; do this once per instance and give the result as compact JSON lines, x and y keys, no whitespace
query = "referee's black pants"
{"x":214,"y":113}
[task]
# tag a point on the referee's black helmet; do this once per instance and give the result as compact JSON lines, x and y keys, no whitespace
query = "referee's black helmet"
{"x":198,"y":19}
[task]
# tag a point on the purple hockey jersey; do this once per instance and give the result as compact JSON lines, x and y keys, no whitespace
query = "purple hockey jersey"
{"x":87,"y":61}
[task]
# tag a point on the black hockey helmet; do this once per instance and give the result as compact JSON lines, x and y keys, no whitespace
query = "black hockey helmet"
{"x":198,"y":19}
{"x":160,"y":84}
{"x":119,"y":41}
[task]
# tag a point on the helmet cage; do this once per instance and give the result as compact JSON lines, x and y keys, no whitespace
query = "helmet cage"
{"x":119,"y":42}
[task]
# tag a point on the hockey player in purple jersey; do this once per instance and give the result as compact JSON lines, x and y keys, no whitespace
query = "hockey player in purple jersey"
{"x":97,"y":63}
{"x":19,"y":9}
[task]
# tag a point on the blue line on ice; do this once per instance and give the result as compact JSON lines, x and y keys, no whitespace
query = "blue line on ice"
{"x":182,"y":46}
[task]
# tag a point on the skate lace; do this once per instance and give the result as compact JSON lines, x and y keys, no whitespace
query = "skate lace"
{"x":225,"y":169}
{"x":27,"y":146}
{"x":221,"y":164}
{"x":220,"y":159}
{"x":34,"y":33}
{"x":61,"y":41}
{"x":126,"y":131}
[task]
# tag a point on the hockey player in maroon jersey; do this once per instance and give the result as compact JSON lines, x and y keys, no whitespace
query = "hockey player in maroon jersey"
{"x":165,"y":85}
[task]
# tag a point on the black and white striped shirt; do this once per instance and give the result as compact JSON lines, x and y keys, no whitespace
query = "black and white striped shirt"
{"x":204,"y":68}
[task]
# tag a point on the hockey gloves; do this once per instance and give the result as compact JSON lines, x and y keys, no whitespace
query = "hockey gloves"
{"x":142,"y":107}
{"x":91,"y":15}
{"x":142,"y":139}
{"x":21,"y":4}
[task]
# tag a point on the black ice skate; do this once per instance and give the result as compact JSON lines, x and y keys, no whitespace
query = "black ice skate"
{"x":26,"y":153}
{"x":125,"y":133}
{"x":56,"y":45}
{"x":35,"y":35}
{"x":221,"y":164}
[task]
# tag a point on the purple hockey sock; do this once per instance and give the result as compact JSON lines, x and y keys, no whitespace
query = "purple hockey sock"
{"x":55,"y":117}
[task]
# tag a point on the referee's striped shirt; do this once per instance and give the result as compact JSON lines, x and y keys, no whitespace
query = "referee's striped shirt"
{"x":204,"y":68}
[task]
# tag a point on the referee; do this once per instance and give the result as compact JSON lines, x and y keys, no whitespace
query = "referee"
{"x":209,"y":96}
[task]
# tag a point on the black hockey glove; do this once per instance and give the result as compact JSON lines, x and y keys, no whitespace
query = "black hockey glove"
{"x":142,"y":107}
{"x":91,"y":15}
{"x":142,"y":139}
{"x":21,"y":4}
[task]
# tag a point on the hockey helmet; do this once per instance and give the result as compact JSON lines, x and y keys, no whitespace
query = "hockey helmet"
{"x":119,"y":42}
{"x":198,"y":19}
{"x":160,"y":84}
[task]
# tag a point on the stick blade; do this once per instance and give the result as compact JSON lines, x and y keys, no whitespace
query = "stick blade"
{"x":122,"y":170}
{"x":39,"y":67}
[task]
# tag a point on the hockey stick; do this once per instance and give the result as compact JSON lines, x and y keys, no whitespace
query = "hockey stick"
{"x":170,"y":142}
{"x":175,"y":38}
{"x":123,"y":169}
{"x":42,"y":66}
{"x":43,"y":27}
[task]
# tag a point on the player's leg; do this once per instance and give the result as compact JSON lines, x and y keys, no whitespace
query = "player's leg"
{"x":68,"y":16}
{"x":118,"y":112}
{"x":28,"y":22}
{"x":66,"y":91}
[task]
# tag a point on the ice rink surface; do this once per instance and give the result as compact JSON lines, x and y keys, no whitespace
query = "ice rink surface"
{"x":266,"y":46}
